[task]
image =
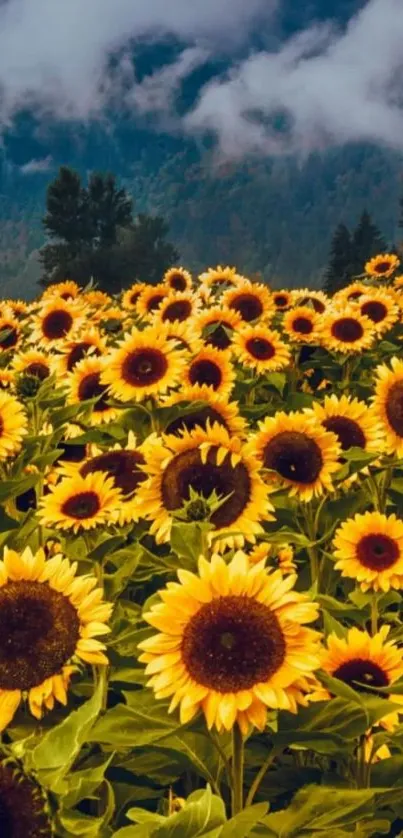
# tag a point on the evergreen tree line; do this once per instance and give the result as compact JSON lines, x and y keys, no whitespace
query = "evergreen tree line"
{"x":351,"y":250}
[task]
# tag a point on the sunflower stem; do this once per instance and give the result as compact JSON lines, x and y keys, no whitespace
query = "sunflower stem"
{"x":237,"y":769}
{"x":260,"y":776}
{"x":374,"y":614}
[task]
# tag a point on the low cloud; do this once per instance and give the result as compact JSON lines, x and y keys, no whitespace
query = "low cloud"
{"x":34,"y":167}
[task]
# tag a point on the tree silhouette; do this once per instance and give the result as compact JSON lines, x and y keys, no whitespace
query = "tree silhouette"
{"x":339,"y":270}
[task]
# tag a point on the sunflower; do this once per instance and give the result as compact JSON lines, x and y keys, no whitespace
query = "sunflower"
{"x":283,"y":299}
{"x":56,"y":320}
{"x":381,"y":308}
{"x":347,"y":331}
{"x":13,"y":425}
{"x":177,"y":306}
{"x":388,"y":404}
{"x":7,"y":380}
{"x":215,"y":409}
{"x":301,"y":325}
{"x":96,"y":298}
{"x":351,"y":293}
{"x":66,"y":290}
{"x":207,"y":461}
{"x":18,"y":307}
{"x":24,"y":811}
{"x":281,"y":554}
{"x":383,"y":265}
{"x":150,"y":299}
{"x":211,"y":367}
{"x":80,"y":503}
{"x":364,"y":663}
{"x":369,"y":548}
{"x":232,"y":643}
{"x":261,"y":349}
{"x":10,"y":332}
{"x":186,"y":335}
{"x":89,"y":342}
{"x":218,"y":325}
{"x":318,"y":300}
{"x":398,"y":282}
{"x":49,"y":619}
{"x":219,"y":279}
{"x":84,"y":383}
{"x":300,"y":455}
{"x":352,"y":421}
{"x":144,"y":364}
{"x":177,"y":279}
{"x":251,"y":300}
{"x":130,"y":297}
{"x":35,"y":363}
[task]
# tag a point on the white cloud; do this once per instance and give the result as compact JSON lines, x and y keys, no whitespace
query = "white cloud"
{"x":329,"y":87}
{"x":35,"y":166}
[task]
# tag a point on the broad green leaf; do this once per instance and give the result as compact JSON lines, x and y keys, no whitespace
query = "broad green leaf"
{"x":241,"y":825}
{"x":141,"y":724}
{"x":187,"y":540}
{"x":203,"y":813}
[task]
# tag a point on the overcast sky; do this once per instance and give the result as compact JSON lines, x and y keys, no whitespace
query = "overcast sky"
{"x":325,"y":85}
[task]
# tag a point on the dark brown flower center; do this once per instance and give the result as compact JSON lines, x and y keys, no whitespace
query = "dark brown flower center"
{"x":154,"y":302}
{"x":143,"y":367}
{"x":260,"y":348}
{"x":394,"y":407}
{"x":317,"y":305}
{"x":78,"y":352}
{"x":377,"y":551}
{"x":37,"y":369}
{"x":355,"y":295}
{"x":81,"y":506}
{"x":280,"y":300}
{"x":134,"y":297}
{"x":348,"y":432}
{"x":123,"y":466}
{"x":22,"y":805}
{"x":205,"y":372}
{"x":56,"y":324}
{"x":26,"y":501}
{"x":233,"y":643}
{"x":303,"y":325}
{"x":375,"y":310}
{"x":347,"y":330}
{"x":294,"y":456}
{"x":177,"y":282}
{"x":361,"y":675}
{"x":39,"y":630}
{"x":90,"y":387}
{"x":186,"y":470}
{"x":383,"y":267}
{"x":179,"y":310}
{"x":71,"y":452}
{"x":218,"y":337}
{"x":11,"y":338}
{"x":248,"y":305}
{"x":191,"y":420}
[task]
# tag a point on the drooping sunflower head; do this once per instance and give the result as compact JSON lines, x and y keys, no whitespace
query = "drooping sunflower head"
{"x":35,"y":363}
{"x":353,"y":422}
{"x":231,"y":643}
{"x":301,"y":325}
{"x":66,"y":290}
{"x":13,"y":425}
{"x":317,"y":300}
{"x":251,"y":300}
{"x":209,"y":406}
{"x":381,"y":308}
{"x":150,"y":299}
{"x":56,"y":320}
{"x":178,"y":306}
{"x":146,"y":363}
{"x":369,"y":549}
{"x":178,"y":279}
{"x":10,"y":332}
{"x":347,"y":331}
{"x":88,"y":342}
{"x":85,"y":383}
{"x":388,"y":404}
{"x":383,"y":265}
{"x":24,"y":811}
{"x":131,"y":296}
{"x":49,"y":619}
{"x":211,"y":368}
{"x":297,"y":453}
{"x":261,"y":349}
{"x":80,"y":503}
{"x":209,"y":462}
{"x":218,"y":325}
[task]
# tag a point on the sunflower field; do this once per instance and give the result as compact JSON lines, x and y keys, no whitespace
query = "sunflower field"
{"x":201,"y":560}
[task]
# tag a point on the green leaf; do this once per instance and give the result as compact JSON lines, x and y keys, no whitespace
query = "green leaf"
{"x":241,"y":825}
{"x":187,"y":540}
{"x":203,"y":813}
{"x":276,"y":380}
{"x":198,"y":750}
{"x":143,"y":723}
{"x":13,"y":488}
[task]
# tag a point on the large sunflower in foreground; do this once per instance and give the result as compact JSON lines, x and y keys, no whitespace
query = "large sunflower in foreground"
{"x":383,"y":265}
{"x":56,"y":320}
{"x":346,"y":331}
{"x":301,"y":325}
{"x":381,"y":308}
{"x":85,"y":383}
{"x":218,"y":325}
{"x":353,"y":422}
{"x":211,"y":368}
{"x":215,"y":409}
{"x":251,"y":300}
{"x":388,"y":404}
{"x":49,"y":621}
{"x":261,"y":349}
{"x":80,"y":503}
{"x":207,"y":461}
{"x":232,"y":643}
{"x":369,"y":549}
{"x":364,"y":663}
{"x":24,"y":809}
{"x":144,"y":364}
{"x":178,"y":279}
{"x":298,"y":453}
{"x":13,"y":425}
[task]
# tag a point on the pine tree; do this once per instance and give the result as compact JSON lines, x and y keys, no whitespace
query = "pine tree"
{"x":367,"y":242}
{"x":339,"y":269}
